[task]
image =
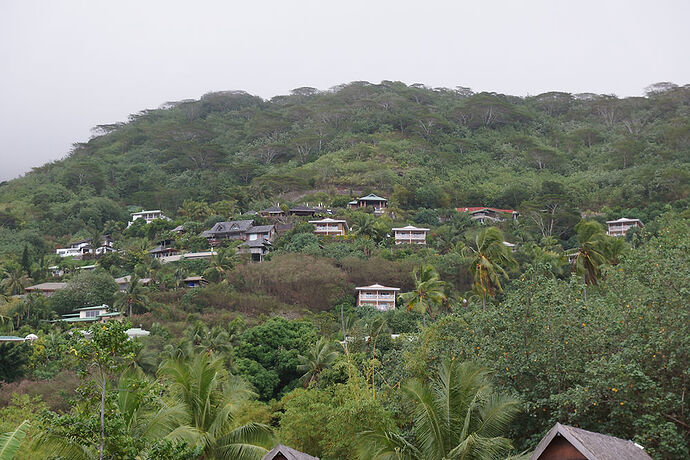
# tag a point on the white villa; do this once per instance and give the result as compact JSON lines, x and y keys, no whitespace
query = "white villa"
{"x":410,"y":235}
{"x":621,"y":226}
{"x":90,"y":314}
{"x":76,"y":249}
{"x":329,"y":227}
{"x":148,"y":216}
{"x":377,"y":296}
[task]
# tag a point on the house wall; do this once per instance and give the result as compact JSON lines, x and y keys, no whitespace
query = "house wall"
{"x":561,"y":449}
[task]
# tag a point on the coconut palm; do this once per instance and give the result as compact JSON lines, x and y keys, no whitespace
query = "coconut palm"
{"x":456,"y":416}
{"x":488,"y":260}
{"x":133,"y":297}
{"x":428,"y":293}
{"x":208,"y":403}
{"x":318,"y":358}
{"x":220,"y":264}
{"x":14,"y":279}
{"x":590,"y":254}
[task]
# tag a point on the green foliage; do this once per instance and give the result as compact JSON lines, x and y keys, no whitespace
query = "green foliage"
{"x":10,"y":442}
{"x":85,"y":289}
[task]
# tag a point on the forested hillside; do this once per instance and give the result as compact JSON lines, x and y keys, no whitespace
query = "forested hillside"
{"x":421,"y":147}
{"x":469,"y":342}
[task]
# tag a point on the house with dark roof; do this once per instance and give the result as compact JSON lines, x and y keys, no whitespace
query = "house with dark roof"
{"x":161,"y":251}
{"x":195,"y":281}
{"x":273,"y":211}
{"x":281,"y":452}
{"x":232,"y":230}
{"x":564,"y":442}
{"x":257,"y":232}
{"x":372,"y":200}
{"x":257,"y":249}
{"x":484,"y":214}
{"x":303,"y":211}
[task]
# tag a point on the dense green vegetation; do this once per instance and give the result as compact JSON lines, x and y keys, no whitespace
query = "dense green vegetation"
{"x":571,"y":326}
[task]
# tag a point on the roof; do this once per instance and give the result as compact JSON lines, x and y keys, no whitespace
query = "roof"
{"x":147,"y":212}
{"x":195,"y":278}
{"x":158,"y":249}
{"x":303,"y":209}
{"x":371,"y":197}
{"x":179,"y":228}
{"x":328,"y":220}
{"x":377,"y":287}
{"x":258,"y":243}
{"x":411,"y":227}
{"x":273,"y":210}
{"x":230,"y":226}
{"x":199,"y":255}
{"x":287,"y":452}
{"x":473,"y":209}
{"x":594,"y":446}
{"x":261,"y":229}
{"x":46,"y":287}
{"x":127,"y":278}
{"x":624,"y":220}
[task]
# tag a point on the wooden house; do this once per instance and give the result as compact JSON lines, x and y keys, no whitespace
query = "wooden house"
{"x":195,"y":281}
{"x":303,"y":211}
{"x":621,"y":226}
{"x":273,"y":212}
{"x":564,"y":442}
{"x":378,"y":203}
{"x":410,"y":235}
{"x":256,"y":248}
{"x":377,"y":296}
{"x":47,"y":289}
{"x":232,"y":230}
{"x":329,"y":227}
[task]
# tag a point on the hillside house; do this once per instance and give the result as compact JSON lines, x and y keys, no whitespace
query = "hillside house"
{"x":160,"y":252}
{"x":281,"y":452}
{"x":483,"y":214}
{"x":232,"y":230}
{"x":47,"y":289}
{"x":377,"y":296}
{"x":410,"y":235}
{"x":257,"y":248}
{"x":77,"y":249}
{"x":124,"y":281}
{"x":378,"y":203}
{"x":303,"y":211}
{"x":266,"y":232}
{"x":90,"y":314}
{"x":148,"y":216}
{"x":621,"y":226}
{"x":194,"y":281}
{"x":329,"y":227}
{"x":272,"y":212}
{"x":564,"y":442}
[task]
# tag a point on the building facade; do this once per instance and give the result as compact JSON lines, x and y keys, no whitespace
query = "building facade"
{"x":377,"y":296}
{"x":410,"y":235}
{"x":329,"y":227}
{"x":621,"y":226}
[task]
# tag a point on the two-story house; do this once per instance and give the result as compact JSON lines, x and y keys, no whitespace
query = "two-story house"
{"x":329,"y":227}
{"x":148,"y":216}
{"x":410,"y":235}
{"x":77,"y":249}
{"x":621,"y":226}
{"x":232,"y":230}
{"x":377,"y":296}
{"x":90,"y":314}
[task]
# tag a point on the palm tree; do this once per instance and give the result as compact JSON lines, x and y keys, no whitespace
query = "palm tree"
{"x":488,"y":260}
{"x":220,"y":264}
{"x":134,"y":296}
{"x":590,"y":254}
{"x":209,"y":402}
{"x":317,"y":359}
{"x":14,"y":279}
{"x":179,"y":276}
{"x":428,"y":293}
{"x":10,"y":442}
{"x":457,"y":416}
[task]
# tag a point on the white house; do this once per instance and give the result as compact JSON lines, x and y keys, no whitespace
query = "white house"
{"x":621,"y":226}
{"x":89,"y":314}
{"x":377,"y":296}
{"x":148,"y":216}
{"x":329,"y":227}
{"x":76,"y":249}
{"x":410,"y":235}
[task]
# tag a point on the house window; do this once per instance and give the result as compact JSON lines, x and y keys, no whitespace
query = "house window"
{"x":92,"y":313}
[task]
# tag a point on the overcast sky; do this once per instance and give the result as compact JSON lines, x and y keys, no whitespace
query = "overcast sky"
{"x":66,"y":66}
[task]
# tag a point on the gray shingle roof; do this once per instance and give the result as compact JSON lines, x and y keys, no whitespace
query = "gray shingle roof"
{"x":261,"y":229}
{"x":233,"y":226}
{"x":594,"y":446}
{"x":273,"y":210}
{"x":287,"y":452}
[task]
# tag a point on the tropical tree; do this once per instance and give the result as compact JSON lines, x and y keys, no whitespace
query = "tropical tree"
{"x":318,"y":358}
{"x":14,"y":279}
{"x":208,"y":403}
{"x":457,"y":415}
{"x":428,"y":293}
{"x":488,"y":260}
{"x":591,"y":251}
{"x":10,"y":442}
{"x":220,"y":264}
{"x":133,"y":297}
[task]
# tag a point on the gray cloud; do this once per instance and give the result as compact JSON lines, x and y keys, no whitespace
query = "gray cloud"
{"x":70,"y":65}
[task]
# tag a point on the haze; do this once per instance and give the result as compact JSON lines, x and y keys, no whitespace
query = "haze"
{"x":68,"y":66}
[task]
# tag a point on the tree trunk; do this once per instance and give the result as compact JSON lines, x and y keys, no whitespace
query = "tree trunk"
{"x":100,"y":448}
{"x":342,"y":323}
{"x":483,"y":300}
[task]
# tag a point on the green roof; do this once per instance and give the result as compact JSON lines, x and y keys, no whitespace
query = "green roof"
{"x":372,"y":197}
